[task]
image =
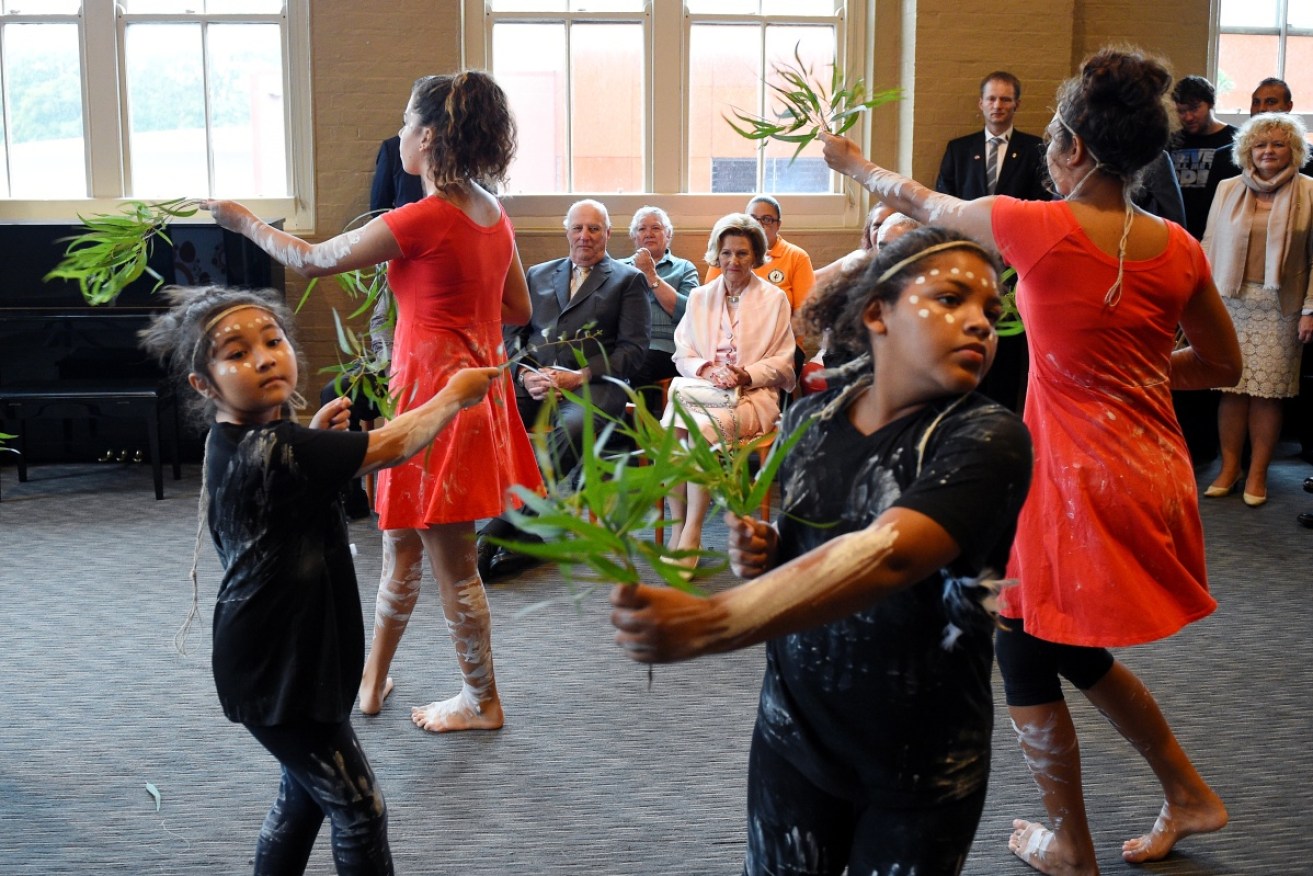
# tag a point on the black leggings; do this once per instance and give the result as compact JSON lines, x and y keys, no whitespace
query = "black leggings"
{"x":324,"y":773}
{"x":796,"y":829}
{"x":1031,"y":666}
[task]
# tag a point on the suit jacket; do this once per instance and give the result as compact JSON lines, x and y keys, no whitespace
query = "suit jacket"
{"x":392,"y":186}
{"x":962,"y":172}
{"x":611,"y":302}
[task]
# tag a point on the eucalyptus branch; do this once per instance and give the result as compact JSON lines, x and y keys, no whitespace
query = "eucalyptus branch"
{"x":808,"y":106}
{"x":1009,"y":324}
{"x":115,"y":250}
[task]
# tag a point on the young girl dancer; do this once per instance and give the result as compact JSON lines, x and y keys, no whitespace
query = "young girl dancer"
{"x":1109,"y":548}
{"x":288,"y":639}
{"x":871,"y":749}
{"x":457,"y":278}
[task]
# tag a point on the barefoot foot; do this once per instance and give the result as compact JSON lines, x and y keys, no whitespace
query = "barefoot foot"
{"x":1175,"y":823}
{"x":461,"y":712}
{"x":371,"y":701}
{"x":1042,"y":849}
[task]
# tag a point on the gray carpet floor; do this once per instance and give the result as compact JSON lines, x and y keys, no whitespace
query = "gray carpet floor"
{"x":599,"y":770}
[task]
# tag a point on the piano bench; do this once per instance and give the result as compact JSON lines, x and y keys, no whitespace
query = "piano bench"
{"x":89,"y":399}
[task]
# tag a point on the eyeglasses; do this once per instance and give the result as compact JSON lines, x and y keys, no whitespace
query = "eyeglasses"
{"x":767,"y":220}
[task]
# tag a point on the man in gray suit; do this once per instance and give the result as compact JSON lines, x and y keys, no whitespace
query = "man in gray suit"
{"x":599,"y":307}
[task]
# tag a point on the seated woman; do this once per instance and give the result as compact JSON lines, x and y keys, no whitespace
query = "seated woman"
{"x":734,"y":352}
{"x":875,"y":219}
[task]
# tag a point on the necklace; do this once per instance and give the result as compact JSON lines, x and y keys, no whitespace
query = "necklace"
{"x":732,"y":299}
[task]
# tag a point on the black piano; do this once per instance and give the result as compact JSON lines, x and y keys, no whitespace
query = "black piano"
{"x":74,"y":385}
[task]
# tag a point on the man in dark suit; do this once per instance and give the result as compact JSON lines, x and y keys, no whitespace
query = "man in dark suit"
{"x":599,"y":305}
{"x":999,"y":160}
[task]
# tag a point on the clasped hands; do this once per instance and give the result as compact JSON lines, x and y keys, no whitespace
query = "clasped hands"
{"x":541,"y":383}
{"x":725,"y":376}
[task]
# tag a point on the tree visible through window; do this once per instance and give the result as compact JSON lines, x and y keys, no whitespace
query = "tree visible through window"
{"x":202,"y":109}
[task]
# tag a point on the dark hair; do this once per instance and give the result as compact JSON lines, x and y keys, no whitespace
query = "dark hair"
{"x":1002,"y":76}
{"x":1194,"y":89}
{"x":839,"y":306}
{"x":179,"y":337}
{"x":474,"y":131}
{"x":765,"y":199}
{"x":1117,"y":107}
{"x":1272,"y":80}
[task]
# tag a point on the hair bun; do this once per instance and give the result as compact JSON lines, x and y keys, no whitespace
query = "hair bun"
{"x":1124,"y":77}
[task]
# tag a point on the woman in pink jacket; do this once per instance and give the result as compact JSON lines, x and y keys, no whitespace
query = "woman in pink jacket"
{"x":734,"y":352}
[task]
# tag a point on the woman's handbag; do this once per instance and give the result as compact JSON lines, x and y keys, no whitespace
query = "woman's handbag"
{"x":695,"y":394}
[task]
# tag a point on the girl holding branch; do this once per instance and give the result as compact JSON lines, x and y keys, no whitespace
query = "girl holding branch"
{"x":871,"y":749}
{"x":456,"y":275}
{"x":1109,"y":549}
{"x":288,"y":639}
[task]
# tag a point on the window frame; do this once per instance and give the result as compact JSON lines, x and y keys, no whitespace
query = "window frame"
{"x":666,"y":45}
{"x":101,"y":29}
{"x":1281,"y":31}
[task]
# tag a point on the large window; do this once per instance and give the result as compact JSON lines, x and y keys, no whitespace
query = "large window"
{"x":1261,"y":38}
{"x":153,"y":99}
{"x":626,"y":99}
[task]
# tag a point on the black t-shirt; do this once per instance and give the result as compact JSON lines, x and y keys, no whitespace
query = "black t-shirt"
{"x":289,"y":641}
{"x":893,"y":704}
{"x":1202,"y":161}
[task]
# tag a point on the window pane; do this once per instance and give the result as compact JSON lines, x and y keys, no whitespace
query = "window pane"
{"x":1299,"y":14}
{"x":1243,"y":60}
{"x":42,"y":74}
{"x":798,"y":7}
{"x":1249,"y":13}
{"x":247,"y":129}
{"x":528,"y":5}
{"x":607,"y":107}
{"x":724,"y":7}
{"x":41,"y":7}
{"x":166,"y":113}
{"x":529,"y":63}
{"x":1299,"y":68}
{"x":815,"y":46}
{"x":606,"y":5}
{"x":724,"y":68}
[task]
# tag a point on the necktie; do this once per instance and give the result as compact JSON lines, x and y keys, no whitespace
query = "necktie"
{"x":580,"y":274}
{"x":991,"y":164}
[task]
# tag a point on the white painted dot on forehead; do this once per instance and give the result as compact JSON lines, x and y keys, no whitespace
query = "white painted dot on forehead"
{"x":934,"y":272}
{"x":971,"y":275}
{"x":913,"y":298}
{"x":955,"y":271}
{"x":920,"y":281}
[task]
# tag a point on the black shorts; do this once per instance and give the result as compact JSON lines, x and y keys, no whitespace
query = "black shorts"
{"x":1031,"y":666}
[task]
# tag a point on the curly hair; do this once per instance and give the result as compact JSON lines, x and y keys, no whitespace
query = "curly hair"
{"x":474,"y":131}
{"x":743,"y":225}
{"x":1118,"y":107}
{"x":179,"y":337}
{"x":1291,"y":127}
{"x":840,"y":306}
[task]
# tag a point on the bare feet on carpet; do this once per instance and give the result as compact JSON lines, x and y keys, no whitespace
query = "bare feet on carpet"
{"x":1043,"y":850}
{"x":371,"y":701}
{"x":1175,"y":823}
{"x":461,"y":712}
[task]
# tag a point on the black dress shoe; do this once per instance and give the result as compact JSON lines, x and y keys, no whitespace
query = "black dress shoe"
{"x":1308,"y":485}
{"x":485,"y":551}
{"x":1306,"y":519}
{"x":507,"y":563}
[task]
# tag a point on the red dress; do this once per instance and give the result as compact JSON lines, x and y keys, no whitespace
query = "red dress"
{"x":1109,"y":548}
{"x":448,"y":287}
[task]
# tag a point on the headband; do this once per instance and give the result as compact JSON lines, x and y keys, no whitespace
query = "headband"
{"x":218,"y":317}
{"x":931,"y":250}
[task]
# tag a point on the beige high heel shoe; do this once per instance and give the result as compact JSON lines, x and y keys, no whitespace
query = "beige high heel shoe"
{"x":1215,"y":491}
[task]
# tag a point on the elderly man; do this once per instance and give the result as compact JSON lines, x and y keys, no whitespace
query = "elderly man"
{"x":589,"y":303}
{"x":669,"y":280}
{"x":787,"y":266}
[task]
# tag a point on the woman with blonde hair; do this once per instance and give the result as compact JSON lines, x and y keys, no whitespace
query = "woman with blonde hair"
{"x":1259,"y":243}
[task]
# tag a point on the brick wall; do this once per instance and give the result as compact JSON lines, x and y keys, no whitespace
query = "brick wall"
{"x":366,"y":57}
